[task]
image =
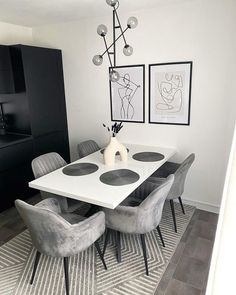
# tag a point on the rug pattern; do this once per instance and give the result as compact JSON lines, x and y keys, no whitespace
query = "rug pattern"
{"x":86,"y":273}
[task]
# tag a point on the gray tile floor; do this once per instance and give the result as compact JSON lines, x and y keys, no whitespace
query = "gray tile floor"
{"x":11,"y":223}
{"x":188,"y":269}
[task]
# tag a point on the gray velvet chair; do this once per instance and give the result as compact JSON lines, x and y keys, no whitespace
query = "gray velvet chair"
{"x":58,"y":234}
{"x":138,"y":217}
{"x":87,"y":147}
{"x":180,"y":172}
{"x":47,"y":163}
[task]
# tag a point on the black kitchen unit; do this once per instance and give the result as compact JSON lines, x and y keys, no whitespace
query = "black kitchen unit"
{"x":33,"y":103}
{"x":6,"y":72}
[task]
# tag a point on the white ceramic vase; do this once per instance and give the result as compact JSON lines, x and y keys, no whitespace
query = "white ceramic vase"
{"x":110,"y":152}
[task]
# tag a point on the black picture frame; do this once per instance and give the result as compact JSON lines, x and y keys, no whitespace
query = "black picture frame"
{"x":170,"y":86}
{"x":121,"y":108}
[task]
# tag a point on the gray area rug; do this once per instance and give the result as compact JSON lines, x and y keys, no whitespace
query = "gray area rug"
{"x":86,"y":272}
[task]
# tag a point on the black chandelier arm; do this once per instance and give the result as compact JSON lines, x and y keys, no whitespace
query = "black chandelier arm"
{"x":105,"y":41}
{"x":122,"y":32}
{"x":114,"y":35}
{"x":114,"y":41}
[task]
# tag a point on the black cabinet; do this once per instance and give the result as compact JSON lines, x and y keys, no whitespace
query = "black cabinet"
{"x":14,"y":185}
{"x":6,"y":73}
{"x":37,"y":108}
{"x":16,"y":154}
{"x":43,"y":82}
{"x":15,"y":171}
{"x":55,"y":141}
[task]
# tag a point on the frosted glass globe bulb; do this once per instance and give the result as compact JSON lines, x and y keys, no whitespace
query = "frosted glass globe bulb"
{"x":128,"y":50}
{"x":112,"y":2}
{"x":114,"y":76}
{"x":97,"y":60}
{"x":132,"y":22}
{"x":102,"y":30}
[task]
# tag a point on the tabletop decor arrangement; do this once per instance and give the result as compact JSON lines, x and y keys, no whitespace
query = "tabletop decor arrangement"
{"x":114,"y":146}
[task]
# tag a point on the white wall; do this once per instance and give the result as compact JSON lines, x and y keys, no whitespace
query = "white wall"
{"x":199,"y":30}
{"x":13,"y":34}
{"x":222,"y":271}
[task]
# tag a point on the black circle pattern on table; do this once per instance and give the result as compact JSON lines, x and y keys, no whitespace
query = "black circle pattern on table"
{"x":148,"y":157}
{"x":117,"y":153}
{"x":80,"y":169}
{"x":119,"y":177}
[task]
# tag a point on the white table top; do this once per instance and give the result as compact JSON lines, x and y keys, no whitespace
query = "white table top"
{"x":90,"y":189}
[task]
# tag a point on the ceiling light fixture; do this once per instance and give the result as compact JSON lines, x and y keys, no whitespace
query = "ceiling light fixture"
{"x":102,"y":31}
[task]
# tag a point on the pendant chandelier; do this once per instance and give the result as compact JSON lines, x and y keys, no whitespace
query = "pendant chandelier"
{"x":132,"y":23}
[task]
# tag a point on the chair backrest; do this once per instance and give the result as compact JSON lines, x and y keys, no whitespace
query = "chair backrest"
{"x":47,"y":163}
{"x":87,"y":147}
{"x":150,"y":210}
{"x":180,"y":176}
{"x":47,"y":228}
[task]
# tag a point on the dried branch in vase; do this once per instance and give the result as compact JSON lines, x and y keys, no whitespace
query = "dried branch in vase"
{"x":115,"y":128}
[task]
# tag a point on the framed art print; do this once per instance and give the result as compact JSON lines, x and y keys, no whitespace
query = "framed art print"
{"x":170,"y":93}
{"x":127,"y":94}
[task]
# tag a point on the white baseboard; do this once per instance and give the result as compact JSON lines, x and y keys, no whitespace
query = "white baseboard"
{"x":202,"y":205}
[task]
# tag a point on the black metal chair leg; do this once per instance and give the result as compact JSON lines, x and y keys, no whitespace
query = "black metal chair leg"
{"x":144,"y":252}
{"x":160,"y":235}
{"x":118,"y":247}
{"x":66,"y":266}
{"x":173,"y":214}
{"x":100,"y":253}
{"x":181,"y":204}
{"x":36,"y":261}
{"x":106,"y":241}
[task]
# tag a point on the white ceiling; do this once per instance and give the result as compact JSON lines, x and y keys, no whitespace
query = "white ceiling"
{"x":42,"y":12}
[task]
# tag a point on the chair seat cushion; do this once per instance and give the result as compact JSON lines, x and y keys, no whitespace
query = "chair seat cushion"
{"x":166,"y":169}
{"x":72,"y":218}
{"x":158,"y":181}
{"x":131,"y":201}
{"x":68,"y":205}
{"x":79,"y":207}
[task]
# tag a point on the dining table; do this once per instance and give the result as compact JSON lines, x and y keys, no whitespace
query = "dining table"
{"x":88,"y":179}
